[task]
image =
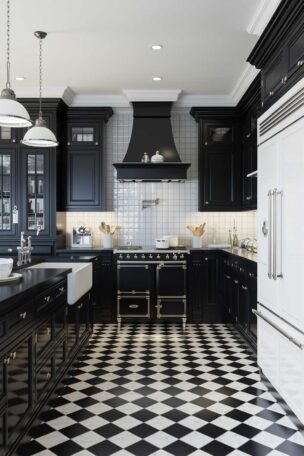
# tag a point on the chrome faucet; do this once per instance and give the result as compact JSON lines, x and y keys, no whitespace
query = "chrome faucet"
{"x":24,"y":250}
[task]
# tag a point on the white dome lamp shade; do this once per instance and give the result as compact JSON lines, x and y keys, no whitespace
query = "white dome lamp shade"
{"x":39,"y":135}
{"x":12,"y":113}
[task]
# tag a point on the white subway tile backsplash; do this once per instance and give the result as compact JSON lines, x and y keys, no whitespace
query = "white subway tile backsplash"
{"x":178,"y":201}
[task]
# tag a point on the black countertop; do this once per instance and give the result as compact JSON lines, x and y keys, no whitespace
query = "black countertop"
{"x":33,"y":282}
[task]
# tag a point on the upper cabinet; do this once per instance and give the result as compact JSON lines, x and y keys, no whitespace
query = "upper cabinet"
{"x":83,"y":161}
{"x":279,"y":52}
{"x":28,"y":182}
{"x":228,"y":153}
{"x":219,"y":160}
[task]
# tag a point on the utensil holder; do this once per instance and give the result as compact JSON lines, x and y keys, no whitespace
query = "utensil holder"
{"x":107,"y":240}
{"x":196,"y":242}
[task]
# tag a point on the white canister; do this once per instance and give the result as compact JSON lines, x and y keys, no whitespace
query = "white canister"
{"x":107,"y":240}
{"x":157,"y":158}
{"x":196,"y":242}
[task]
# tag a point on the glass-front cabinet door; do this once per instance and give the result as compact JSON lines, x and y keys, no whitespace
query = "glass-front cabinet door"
{"x":8,"y":222}
{"x":36,"y":198}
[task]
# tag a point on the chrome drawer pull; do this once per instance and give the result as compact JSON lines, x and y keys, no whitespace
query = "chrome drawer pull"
{"x":133,"y":306}
{"x":13,"y":355}
{"x":48,"y":375}
{"x":228,"y":277}
{"x":244,"y":288}
{"x":47,"y":298}
{"x":61,"y":289}
{"x":23,"y":315}
{"x":236,"y":282}
{"x":277,"y":328}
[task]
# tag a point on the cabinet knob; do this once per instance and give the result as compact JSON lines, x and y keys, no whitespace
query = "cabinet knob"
{"x":23,"y":315}
{"x":248,"y":135}
{"x":6,"y":360}
{"x":14,"y":140}
{"x":206,"y":259}
{"x":248,"y":198}
{"x":271,"y":93}
{"x":61,"y":289}
{"x":47,"y":298}
{"x":284,"y":80}
{"x":10,"y":250}
{"x":13,"y":355}
{"x":206,"y":202}
{"x":48,"y":375}
{"x":300,"y":62}
{"x":68,"y":143}
{"x":244,"y":288}
{"x":96,"y":143}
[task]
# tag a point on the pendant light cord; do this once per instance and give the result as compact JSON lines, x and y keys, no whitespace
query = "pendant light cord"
{"x":40,"y":78}
{"x":8,"y":63}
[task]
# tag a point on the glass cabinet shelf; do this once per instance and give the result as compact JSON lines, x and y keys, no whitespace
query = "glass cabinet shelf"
{"x":5,"y":192}
{"x":35,"y":191}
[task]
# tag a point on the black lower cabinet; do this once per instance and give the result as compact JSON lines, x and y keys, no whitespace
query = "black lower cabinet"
{"x":204,"y":287}
{"x":35,"y":353}
{"x":239,"y":278}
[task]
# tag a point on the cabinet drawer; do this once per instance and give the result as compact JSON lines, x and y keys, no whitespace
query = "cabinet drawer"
{"x":133,"y":306}
{"x":51,"y":295}
{"x":43,"y":337}
{"x":43,"y":377}
{"x":171,"y":308}
{"x":20,"y":316}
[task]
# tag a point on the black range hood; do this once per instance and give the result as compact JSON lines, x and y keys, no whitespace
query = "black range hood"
{"x":152,"y":131}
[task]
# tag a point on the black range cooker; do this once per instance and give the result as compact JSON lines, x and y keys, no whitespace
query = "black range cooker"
{"x":151,"y":284}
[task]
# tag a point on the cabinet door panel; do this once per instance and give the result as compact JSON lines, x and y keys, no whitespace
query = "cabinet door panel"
{"x":217,"y":133}
{"x":18,"y":384}
{"x":219,"y":178}
{"x":43,"y":337}
{"x":172,"y":307}
{"x":290,"y":247}
{"x":171,"y":280}
{"x":43,"y":377}
{"x":135,"y":277}
{"x":8,"y":200}
{"x":72,"y":327}
{"x":84,"y":179}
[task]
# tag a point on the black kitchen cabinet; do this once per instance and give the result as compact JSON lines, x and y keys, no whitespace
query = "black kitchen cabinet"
{"x":279,"y":52}
{"x":228,"y":153}
{"x":239,"y":278}
{"x":34,"y":354}
{"x":204,"y":287}
{"x":28,"y":182}
{"x":219,"y":160}
{"x":84,"y":173}
{"x":19,"y":373}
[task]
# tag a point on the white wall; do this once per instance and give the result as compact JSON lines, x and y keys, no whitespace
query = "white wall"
{"x":178,"y":201}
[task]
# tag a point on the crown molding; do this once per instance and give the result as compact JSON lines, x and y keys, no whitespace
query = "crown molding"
{"x":68,"y":95}
{"x":189,"y":100}
{"x":98,"y":100}
{"x":151,"y":95}
{"x":244,"y":81}
{"x":33,"y":92}
{"x":262,"y":16}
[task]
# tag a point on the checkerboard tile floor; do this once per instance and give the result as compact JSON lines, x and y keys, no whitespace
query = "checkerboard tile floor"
{"x":152,"y":390}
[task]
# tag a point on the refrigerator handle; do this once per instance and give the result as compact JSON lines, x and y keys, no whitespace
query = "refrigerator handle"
{"x":270,"y":200}
{"x":280,"y":240}
{"x":274,"y":234}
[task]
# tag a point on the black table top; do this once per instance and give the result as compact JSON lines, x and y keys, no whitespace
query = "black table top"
{"x":33,"y":282}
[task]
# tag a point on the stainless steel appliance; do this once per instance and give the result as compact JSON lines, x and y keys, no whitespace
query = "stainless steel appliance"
{"x":82,"y":237}
{"x":151,"y":284}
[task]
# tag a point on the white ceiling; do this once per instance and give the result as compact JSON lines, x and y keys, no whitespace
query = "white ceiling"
{"x":98,"y":48}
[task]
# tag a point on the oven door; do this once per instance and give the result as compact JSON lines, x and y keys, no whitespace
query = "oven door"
{"x":129,"y":306}
{"x":171,"y":308}
{"x":134,"y":278}
{"x":171,"y":280}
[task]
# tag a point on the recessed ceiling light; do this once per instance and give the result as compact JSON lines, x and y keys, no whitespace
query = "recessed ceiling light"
{"x":157,"y":78}
{"x":156,"y":47}
{"x":20,"y":78}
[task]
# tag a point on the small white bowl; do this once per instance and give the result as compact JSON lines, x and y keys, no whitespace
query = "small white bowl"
{"x":6,"y":266}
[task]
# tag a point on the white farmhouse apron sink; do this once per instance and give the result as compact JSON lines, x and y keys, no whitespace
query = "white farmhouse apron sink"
{"x":80,"y":280}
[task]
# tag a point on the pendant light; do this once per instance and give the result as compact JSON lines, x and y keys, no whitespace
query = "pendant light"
{"x":12,"y":113}
{"x":40,"y":135}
